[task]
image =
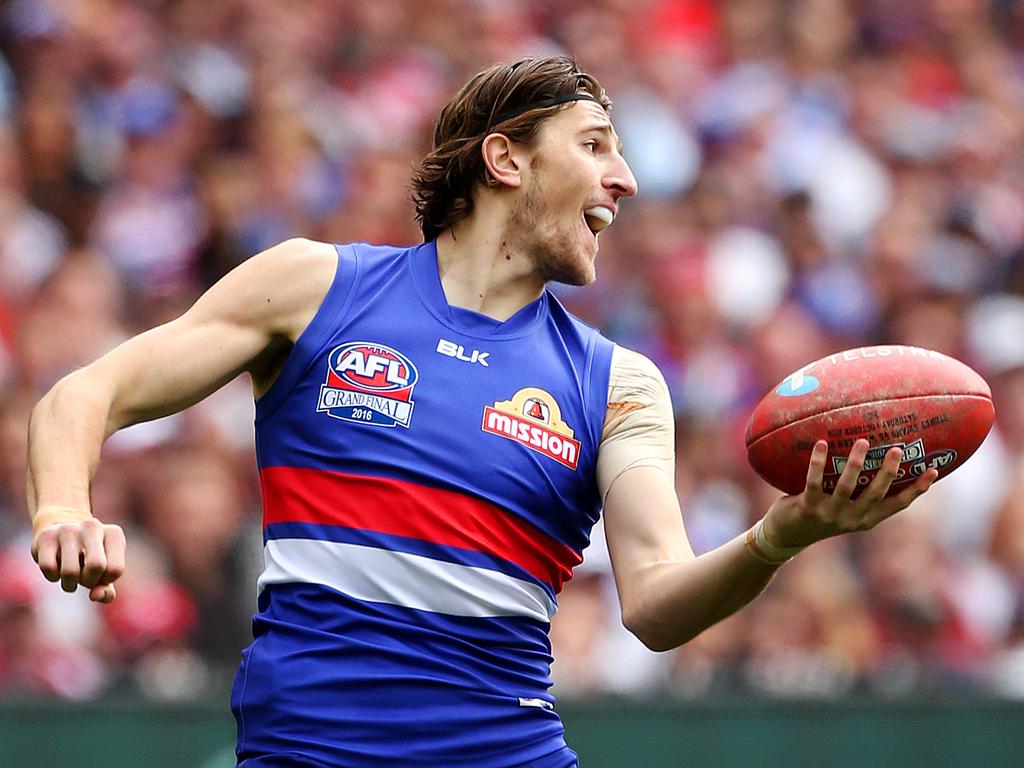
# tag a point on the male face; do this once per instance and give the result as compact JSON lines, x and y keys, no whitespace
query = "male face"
{"x":571,"y":187}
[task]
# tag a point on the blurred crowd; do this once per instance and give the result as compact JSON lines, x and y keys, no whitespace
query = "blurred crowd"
{"x":814,"y":175}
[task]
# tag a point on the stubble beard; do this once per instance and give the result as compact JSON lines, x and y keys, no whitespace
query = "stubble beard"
{"x":553,"y":248}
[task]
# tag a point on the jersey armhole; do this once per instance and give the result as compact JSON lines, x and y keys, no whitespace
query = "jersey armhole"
{"x":315,"y":335}
{"x":597,"y":377}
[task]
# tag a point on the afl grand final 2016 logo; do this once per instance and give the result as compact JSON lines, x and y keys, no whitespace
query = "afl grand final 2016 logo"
{"x":533,"y":418}
{"x":368,"y":383}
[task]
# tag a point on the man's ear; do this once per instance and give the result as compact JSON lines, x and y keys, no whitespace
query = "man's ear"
{"x":502,"y":161}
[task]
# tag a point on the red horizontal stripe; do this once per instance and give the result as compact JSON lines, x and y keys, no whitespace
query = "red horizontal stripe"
{"x":386,"y":505}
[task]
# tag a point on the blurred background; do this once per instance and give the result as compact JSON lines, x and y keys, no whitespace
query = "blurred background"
{"x":814,"y":175}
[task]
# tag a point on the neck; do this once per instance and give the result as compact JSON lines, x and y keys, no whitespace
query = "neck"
{"x":484,"y":269}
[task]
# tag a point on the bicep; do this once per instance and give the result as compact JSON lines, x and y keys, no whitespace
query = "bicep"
{"x":268,"y":298}
{"x":636,"y":462}
{"x":173,"y":366}
{"x":639,"y":428}
{"x":643,"y":528}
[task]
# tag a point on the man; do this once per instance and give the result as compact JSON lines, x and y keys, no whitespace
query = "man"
{"x":436,"y":437}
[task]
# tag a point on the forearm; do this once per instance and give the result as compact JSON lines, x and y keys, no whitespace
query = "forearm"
{"x":679,"y":600}
{"x":66,"y":433}
{"x":668,"y":596}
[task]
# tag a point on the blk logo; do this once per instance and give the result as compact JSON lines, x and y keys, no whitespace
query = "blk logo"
{"x":451,"y":349}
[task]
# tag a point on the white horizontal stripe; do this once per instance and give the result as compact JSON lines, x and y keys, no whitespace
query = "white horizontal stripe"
{"x":403,"y":579}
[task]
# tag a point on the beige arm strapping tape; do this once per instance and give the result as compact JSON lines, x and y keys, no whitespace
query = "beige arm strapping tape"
{"x":639,"y":428}
{"x":51,"y":515}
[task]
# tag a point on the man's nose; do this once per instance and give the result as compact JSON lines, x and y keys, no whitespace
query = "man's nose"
{"x":621,"y":179}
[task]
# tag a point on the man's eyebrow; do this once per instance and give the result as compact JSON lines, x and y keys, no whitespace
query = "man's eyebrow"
{"x":604,"y":128}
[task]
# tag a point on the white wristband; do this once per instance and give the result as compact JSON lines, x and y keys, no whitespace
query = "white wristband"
{"x":764,"y":550}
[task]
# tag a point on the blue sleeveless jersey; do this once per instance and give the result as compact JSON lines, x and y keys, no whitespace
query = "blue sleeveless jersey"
{"x":428,"y":479}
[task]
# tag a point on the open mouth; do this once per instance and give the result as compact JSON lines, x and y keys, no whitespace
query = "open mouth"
{"x":598,"y":218}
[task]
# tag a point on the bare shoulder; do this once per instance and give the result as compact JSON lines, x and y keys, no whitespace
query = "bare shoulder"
{"x":279,"y":289}
{"x":295,"y":260}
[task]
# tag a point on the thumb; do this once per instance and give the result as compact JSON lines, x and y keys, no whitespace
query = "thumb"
{"x":103,"y":593}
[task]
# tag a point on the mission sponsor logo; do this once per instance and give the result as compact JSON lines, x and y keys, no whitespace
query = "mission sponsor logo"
{"x":368,"y":383}
{"x":533,"y":418}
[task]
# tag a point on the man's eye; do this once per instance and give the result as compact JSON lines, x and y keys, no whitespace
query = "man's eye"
{"x":590,"y":145}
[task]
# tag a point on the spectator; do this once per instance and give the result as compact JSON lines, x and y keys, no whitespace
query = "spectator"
{"x":814,"y":176}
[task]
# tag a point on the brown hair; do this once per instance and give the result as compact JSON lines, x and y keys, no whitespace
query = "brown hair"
{"x":499,"y":100}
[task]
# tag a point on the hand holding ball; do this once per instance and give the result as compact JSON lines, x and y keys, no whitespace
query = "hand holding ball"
{"x":933,"y":407}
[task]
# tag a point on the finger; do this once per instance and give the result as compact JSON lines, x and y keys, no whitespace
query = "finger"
{"x":847,"y":482}
{"x":816,"y":467}
{"x":94,"y":560}
{"x":882,"y":481}
{"x":902,"y":500}
{"x":46,"y":551}
{"x":70,"y":557}
{"x":115,"y":545}
{"x":103,"y":593}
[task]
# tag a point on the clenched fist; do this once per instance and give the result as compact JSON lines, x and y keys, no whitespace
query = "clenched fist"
{"x":75,"y":548}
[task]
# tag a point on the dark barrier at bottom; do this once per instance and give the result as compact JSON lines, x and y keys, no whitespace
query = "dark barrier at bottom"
{"x":773,"y":734}
{"x":606,"y":733}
